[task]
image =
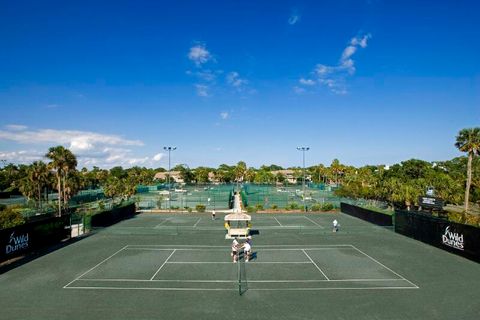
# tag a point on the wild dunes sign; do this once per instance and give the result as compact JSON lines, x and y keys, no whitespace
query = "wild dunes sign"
{"x":16,"y":243}
{"x":33,"y":235}
{"x":453,"y":239}
{"x":460,"y":239}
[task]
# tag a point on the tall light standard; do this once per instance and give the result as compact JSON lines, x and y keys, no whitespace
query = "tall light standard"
{"x":169,"y":149}
{"x":303,"y":149}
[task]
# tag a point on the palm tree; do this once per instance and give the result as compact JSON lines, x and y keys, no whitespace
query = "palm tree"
{"x":72,"y":184}
{"x":468,"y":140}
{"x":38,"y":175}
{"x":57,"y":157}
{"x":240,"y":170}
{"x":62,"y":161}
{"x":69,"y":167}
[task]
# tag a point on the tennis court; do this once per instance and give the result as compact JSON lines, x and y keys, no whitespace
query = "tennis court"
{"x":210,"y":268}
{"x":178,"y":266}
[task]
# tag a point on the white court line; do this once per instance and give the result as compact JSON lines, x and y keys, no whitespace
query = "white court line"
{"x":228,"y":249}
{"x":315,"y":265}
{"x":278,"y":221}
{"x":236,"y":281}
{"x":195,"y":225}
{"x":321,"y":227}
{"x":166,"y":219}
{"x":220,"y":289}
{"x":257,"y":246}
{"x":402,"y":277}
{"x":94,"y":267}
{"x":160,"y":289}
{"x":318,"y":289}
{"x":230,"y":262}
{"x":171,"y":254}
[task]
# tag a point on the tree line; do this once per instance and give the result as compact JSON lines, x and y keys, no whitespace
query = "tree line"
{"x":456,"y":181}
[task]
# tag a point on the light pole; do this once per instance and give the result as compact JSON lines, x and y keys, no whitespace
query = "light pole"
{"x":169,"y":149}
{"x":303,"y":149}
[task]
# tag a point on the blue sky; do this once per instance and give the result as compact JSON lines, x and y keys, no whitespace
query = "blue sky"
{"x":367,"y":82}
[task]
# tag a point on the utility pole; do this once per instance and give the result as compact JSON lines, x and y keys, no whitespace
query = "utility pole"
{"x":169,"y":149}
{"x":303,"y":149}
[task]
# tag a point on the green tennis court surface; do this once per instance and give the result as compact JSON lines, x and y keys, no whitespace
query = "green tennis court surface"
{"x":158,"y":266}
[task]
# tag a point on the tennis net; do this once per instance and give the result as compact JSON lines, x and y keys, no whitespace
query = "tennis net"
{"x":242,"y":273}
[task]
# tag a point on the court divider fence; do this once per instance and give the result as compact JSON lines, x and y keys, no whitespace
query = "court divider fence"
{"x":380,"y":219}
{"x":460,"y":239}
{"x":28,"y":237}
{"x":109,"y":217}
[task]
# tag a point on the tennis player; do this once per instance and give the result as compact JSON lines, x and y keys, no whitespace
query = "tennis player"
{"x":247,"y":250}
{"x":234,"y":252}
{"x":336,"y":225}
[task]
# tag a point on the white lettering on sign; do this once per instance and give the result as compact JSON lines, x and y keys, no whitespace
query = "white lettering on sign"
{"x":16,"y":243}
{"x":453,"y":239}
{"x":429,"y":201}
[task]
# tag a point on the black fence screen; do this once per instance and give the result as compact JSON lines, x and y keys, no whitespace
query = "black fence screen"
{"x":22,"y":239}
{"x":374,"y":217}
{"x":112,"y":216}
{"x":457,"y":238}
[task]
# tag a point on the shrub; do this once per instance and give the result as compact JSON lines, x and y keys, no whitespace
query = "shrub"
{"x":2,"y":207}
{"x":10,"y":218}
{"x":258,"y":207}
{"x":251,"y":209}
{"x":274,"y":207}
{"x":293,"y":206}
{"x":200,"y":208}
{"x":327,"y":206}
{"x":189,"y":210}
{"x":316,"y":207}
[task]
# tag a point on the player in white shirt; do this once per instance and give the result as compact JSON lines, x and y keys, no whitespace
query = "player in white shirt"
{"x":247,"y":251}
{"x":336,"y":225}
{"x":234,"y":252}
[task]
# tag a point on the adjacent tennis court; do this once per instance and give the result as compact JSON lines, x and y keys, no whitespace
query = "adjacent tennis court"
{"x":178,"y":266}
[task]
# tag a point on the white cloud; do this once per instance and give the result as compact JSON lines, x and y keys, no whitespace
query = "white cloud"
{"x":362,"y":42}
{"x":207,"y":78}
{"x":73,"y":138}
{"x":334,"y":77}
{"x":202,"y":90}
{"x":207,"y":75}
{"x":298,"y":90}
{"x":158,"y":157}
{"x":90,"y":148}
{"x":293,"y":19}
{"x":21,"y":156}
{"x":323,"y":70}
{"x":80,"y":144}
{"x":306,"y":82}
{"x":348,"y":52}
{"x":16,"y":127}
{"x":199,"y":54}
{"x":233,"y":79}
{"x":224,"y":115}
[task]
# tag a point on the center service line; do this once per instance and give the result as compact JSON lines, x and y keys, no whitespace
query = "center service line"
{"x":315,"y":265}
{"x":171,"y":254}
